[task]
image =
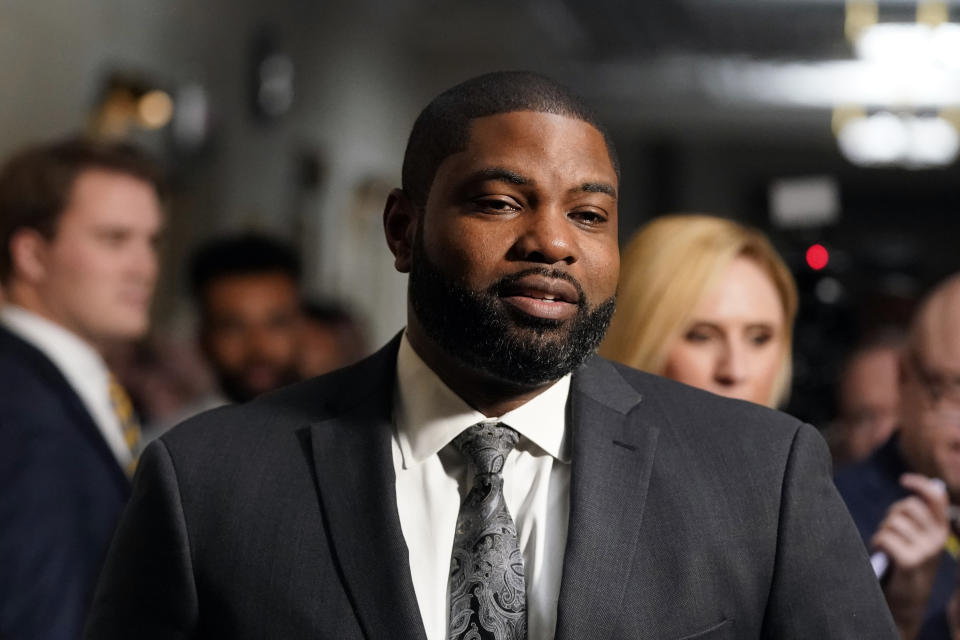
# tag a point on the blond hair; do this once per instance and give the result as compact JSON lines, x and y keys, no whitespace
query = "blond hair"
{"x":667,"y":268}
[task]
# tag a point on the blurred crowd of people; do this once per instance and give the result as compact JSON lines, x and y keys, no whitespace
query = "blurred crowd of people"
{"x":87,"y":387}
{"x":256,"y":330}
{"x":702,"y":300}
{"x":709,"y":302}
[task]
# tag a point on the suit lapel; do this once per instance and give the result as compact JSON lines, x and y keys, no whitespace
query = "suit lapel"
{"x":613,"y":451}
{"x":355,"y":476}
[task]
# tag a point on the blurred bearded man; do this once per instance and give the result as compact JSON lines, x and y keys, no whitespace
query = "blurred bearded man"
{"x":247,"y":290}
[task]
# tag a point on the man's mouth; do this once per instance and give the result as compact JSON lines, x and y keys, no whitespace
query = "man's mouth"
{"x":261,"y":377}
{"x":139,"y":297}
{"x":542,"y":297}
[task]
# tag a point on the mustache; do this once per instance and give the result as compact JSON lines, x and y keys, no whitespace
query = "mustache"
{"x":498,"y":287}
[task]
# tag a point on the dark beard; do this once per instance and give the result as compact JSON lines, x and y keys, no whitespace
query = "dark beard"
{"x":475,"y":328}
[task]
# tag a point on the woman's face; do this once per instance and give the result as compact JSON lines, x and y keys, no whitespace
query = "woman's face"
{"x":733,"y":345}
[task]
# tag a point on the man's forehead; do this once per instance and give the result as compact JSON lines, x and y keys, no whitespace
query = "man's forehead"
{"x":937,"y":343}
{"x":104,"y":178}
{"x":510,"y":124}
{"x":101,"y":196}
{"x":533,"y":135}
{"x":270,"y":280}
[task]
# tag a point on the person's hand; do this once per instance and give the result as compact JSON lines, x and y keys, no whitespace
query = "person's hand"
{"x":913,"y":536}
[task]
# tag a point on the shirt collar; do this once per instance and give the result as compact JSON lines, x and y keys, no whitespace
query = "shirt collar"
{"x":429,"y":414}
{"x":79,"y":362}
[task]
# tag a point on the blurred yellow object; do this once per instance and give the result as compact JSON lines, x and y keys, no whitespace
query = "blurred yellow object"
{"x":843,"y":115}
{"x":860,"y":14}
{"x":154,"y":109}
{"x":932,"y":12}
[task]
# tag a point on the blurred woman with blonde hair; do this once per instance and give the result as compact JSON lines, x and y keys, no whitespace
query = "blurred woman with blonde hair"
{"x":709,"y":302}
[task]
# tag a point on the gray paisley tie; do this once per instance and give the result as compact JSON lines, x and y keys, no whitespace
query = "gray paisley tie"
{"x":487,"y":588}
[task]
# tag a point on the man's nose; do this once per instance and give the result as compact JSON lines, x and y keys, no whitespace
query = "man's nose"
{"x":144,"y":261}
{"x":545,"y":236}
{"x":267,"y":342}
{"x":261,"y":341}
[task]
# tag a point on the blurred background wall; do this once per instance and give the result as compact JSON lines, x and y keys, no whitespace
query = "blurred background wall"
{"x":291,"y":116}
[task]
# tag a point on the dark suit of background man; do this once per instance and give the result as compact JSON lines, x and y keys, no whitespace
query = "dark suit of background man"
{"x":635,"y":507}
{"x":78,"y":222}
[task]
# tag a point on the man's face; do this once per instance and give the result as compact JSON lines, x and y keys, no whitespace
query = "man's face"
{"x":251,"y":332}
{"x":98,"y":272}
{"x":930,"y":402}
{"x":515,"y":261}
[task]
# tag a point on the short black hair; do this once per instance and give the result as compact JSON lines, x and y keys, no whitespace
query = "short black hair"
{"x":241,"y":255}
{"x":36,"y":183}
{"x":442,"y":128}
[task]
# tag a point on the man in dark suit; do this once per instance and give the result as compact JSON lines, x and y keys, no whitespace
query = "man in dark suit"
{"x":898,"y":509}
{"x":78,"y":221}
{"x":484,"y":475}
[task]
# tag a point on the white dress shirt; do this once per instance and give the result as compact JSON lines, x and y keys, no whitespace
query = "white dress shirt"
{"x":80,"y":364}
{"x":432,"y":480}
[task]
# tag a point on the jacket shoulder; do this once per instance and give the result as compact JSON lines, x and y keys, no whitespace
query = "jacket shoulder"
{"x":36,"y":398}
{"x":24,"y":368}
{"x":704,"y":414}
{"x":278,"y":413}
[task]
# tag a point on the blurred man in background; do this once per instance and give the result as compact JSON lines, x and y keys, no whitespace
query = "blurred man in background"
{"x":868,"y":399}
{"x":332,"y":338}
{"x":247,"y":290}
{"x":78,"y":226}
{"x":897,"y":505}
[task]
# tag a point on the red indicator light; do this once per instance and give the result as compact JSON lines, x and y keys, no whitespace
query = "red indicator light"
{"x":817,"y":257}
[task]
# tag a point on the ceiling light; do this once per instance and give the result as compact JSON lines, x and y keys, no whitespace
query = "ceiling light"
{"x":154,"y":109}
{"x":886,"y":139}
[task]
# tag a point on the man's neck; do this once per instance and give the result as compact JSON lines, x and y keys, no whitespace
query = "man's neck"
{"x":489,"y":396}
{"x":27,"y":299}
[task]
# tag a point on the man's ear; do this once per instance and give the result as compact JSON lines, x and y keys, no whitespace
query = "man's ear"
{"x":400,"y":220}
{"x":28,"y":250}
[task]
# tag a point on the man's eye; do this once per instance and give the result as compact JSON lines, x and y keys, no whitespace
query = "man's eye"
{"x":282,"y":322}
{"x":496,"y":205}
{"x":589,"y":217}
{"x":113,"y":238}
{"x":229,"y":327}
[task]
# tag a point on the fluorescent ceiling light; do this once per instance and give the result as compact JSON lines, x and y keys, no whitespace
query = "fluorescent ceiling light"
{"x":910,"y":44}
{"x":885,"y":139}
{"x":827,"y":84}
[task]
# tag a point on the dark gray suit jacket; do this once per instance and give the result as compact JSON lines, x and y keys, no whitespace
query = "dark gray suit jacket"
{"x":691,"y":516}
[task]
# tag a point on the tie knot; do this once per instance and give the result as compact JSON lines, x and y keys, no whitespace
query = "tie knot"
{"x":486,"y":445}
